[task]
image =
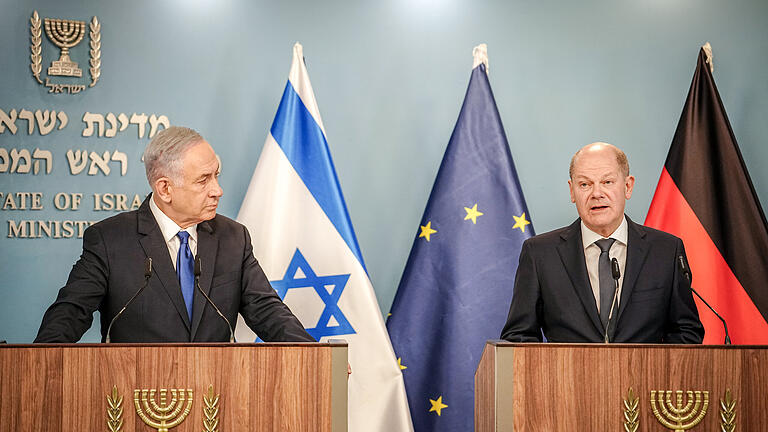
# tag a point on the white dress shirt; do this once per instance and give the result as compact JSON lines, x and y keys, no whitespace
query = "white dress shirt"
{"x":170,"y":229}
{"x":592,"y":255}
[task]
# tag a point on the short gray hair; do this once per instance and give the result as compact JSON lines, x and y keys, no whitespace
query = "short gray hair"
{"x":621,"y":158}
{"x":163,"y":155}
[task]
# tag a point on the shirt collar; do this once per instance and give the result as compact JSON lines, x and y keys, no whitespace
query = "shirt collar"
{"x":168,"y":227}
{"x":589,"y":237}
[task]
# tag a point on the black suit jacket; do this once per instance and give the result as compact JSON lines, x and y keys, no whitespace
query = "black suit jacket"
{"x":110,"y":271}
{"x":553,"y":294}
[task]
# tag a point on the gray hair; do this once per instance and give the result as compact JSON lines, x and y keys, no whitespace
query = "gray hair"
{"x":163,"y":155}
{"x":621,"y":158}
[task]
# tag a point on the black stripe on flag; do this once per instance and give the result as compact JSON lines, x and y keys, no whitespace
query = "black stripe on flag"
{"x":706,"y":165}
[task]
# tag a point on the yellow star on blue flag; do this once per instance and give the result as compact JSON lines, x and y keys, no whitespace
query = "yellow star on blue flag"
{"x":520,"y":222}
{"x":472,"y":213}
{"x":437,"y":405}
{"x":426,"y":230}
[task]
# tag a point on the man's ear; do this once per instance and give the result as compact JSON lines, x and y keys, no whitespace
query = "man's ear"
{"x":629,"y":185}
{"x":570,"y":189}
{"x":163,"y":189}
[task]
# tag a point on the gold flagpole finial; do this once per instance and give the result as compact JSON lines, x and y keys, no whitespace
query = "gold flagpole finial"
{"x":710,"y":61}
{"x":480,"y":54}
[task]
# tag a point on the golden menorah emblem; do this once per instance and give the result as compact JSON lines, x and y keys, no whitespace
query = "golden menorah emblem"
{"x":165,"y":414}
{"x":65,"y":34}
{"x":679,"y":417}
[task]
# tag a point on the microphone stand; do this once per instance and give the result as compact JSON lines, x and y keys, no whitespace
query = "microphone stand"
{"x":687,"y":274}
{"x":616,"y":273}
{"x":197,"y":271}
{"x":147,"y":275}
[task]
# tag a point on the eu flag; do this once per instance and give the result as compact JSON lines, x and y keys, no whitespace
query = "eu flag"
{"x":457,"y":285}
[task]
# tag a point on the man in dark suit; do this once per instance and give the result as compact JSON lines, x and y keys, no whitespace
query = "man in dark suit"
{"x":564,"y":287}
{"x":175,"y":224}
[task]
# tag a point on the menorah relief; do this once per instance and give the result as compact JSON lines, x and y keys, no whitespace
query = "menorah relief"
{"x":165,"y":414}
{"x":65,"y":34}
{"x":679,"y":417}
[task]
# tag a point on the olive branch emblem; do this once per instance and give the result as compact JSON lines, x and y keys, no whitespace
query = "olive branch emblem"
{"x":210,"y":411}
{"x":728,"y":413}
{"x":37,"y":59}
{"x":114,"y":411}
{"x":95,"y":51}
{"x":631,"y":411}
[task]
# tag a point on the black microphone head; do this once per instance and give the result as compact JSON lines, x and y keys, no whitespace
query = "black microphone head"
{"x":148,"y":267}
{"x":197,"y":269}
{"x":615,"y":268}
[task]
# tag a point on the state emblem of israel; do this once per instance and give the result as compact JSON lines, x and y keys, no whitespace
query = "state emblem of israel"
{"x":66,"y":35}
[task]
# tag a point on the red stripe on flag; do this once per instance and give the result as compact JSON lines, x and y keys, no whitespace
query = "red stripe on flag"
{"x":712,"y":277}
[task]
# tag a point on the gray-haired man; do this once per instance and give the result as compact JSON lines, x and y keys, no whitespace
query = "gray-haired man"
{"x":565,"y":287}
{"x":175,"y":225}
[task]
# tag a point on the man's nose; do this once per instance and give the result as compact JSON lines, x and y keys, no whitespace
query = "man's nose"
{"x":216,"y":190}
{"x":597,"y":191}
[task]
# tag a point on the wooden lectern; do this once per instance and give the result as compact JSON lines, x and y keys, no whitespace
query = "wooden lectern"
{"x":232,"y":387}
{"x":586,"y":387}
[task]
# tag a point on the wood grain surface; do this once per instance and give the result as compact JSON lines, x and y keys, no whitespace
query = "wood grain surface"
{"x":567,"y":387}
{"x":263,"y":387}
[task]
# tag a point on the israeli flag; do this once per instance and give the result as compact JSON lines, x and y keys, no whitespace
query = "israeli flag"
{"x":304,"y":241}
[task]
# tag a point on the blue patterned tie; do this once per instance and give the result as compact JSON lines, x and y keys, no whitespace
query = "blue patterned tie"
{"x":185,"y":263}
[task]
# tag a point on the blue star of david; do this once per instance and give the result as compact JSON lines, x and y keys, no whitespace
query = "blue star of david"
{"x":321,"y":284}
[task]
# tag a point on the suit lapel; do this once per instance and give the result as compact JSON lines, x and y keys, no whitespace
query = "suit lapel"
{"x":637,"y":250}
{"x":155,"y":247}
{"x":207,"y":247}
{"x":572,"y":254}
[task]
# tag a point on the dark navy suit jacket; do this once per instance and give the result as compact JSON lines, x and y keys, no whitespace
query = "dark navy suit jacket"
{"x":553,"y":295}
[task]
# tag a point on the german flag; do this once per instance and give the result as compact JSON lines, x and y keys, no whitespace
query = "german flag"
{"x":705,"y":197}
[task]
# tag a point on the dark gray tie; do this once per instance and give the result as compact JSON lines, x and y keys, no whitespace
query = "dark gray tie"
{"x":605,"y":276}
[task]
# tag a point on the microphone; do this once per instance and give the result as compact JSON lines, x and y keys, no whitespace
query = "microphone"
{"x":616,"y":273}
{"x":147,"y":275}
{"x":197,"y":271}
{"x":681,"y":262}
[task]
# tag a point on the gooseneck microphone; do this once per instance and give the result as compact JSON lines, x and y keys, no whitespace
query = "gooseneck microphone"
{"x":687,"y":273}
{"x":616,"y":273}
{"x":147,"y":275}
{"x":197,"y":271}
